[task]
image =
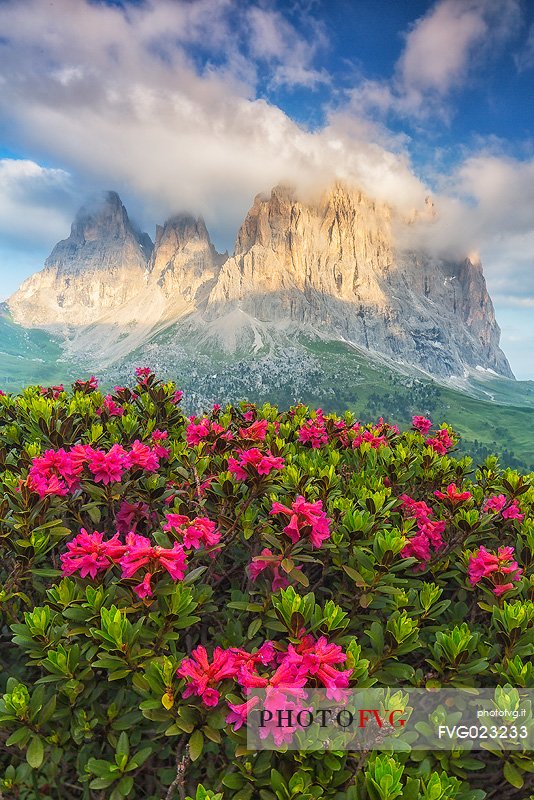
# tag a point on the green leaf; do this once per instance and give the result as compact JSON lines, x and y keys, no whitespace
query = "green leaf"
{"x":196,"y":745}
{"x":513,"y":775}
{"x":20,"y":736}
{"x":35,"y":752}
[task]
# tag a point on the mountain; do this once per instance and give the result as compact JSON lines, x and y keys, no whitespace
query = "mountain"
{"x":318,"y":303}
{"x":100,"y":266}
{"x":331,"y":265}
{"x":326,"y":266}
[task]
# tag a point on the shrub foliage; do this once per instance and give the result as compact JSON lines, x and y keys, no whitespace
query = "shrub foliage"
{"x":154,"y":567}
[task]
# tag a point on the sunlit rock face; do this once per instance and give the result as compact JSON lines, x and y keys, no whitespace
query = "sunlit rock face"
{"x":332,"y":264}
{"x":325,"y":266}
{"x":99,"y":267}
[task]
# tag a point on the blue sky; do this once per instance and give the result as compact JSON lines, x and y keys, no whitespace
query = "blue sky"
{"x":200,"y":104}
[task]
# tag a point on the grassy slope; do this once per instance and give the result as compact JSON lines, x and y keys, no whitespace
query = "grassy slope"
{"x":377,"y":391}
{"x":345,"y":378}
{"x":28,"y":356}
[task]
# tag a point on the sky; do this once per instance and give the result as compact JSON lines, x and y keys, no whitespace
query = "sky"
{"x":198,"y":105}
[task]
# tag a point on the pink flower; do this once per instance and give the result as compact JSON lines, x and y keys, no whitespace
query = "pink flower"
{"x":453,"y":495}
{"x":264,"y":655}
{"x":141,"y":553}
{"x":205,"y":676}
{"x":421,"y":424}
{"x":177,"y":396}
{"x":317,"y":659}
{"x":239,"y":713}
{"x":417,"y":547}
{"x":205,"y":430}
{"x":513,"y":512}
{"x":53,"y":391}
{"x":144,"y":588}
{"x":143,"y":373}
{"x":108,"y":467}
{"x":305,"y":519}
{"x":157,"y":438}
{"x":253,"y":462}
{"x":110,"y":407}
{"x":196,"y":533}
{"x":88,"y":553}
{"x":495,"y":503}
{"x":415,"y":508}
{"x":496,"y":568}
{"x":441,"y":443}
{"x":429,"y":532}
{"x":55,"y":472}
{"x":498,"y":503}
{"x":376,"y":441}
{"x":255,"y":432}
{"x":142,"y":456}
{"x":313,"y":431}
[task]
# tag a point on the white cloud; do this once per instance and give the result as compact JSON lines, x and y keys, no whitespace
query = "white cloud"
{"x":441,"y":50}
{"x":117,"y":97}
{"x":33,"y":202}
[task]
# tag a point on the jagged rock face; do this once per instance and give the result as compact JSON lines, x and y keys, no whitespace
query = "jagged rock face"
{"x":99,"y":267}
{"x":332,"y":265}
{"x":184,"y":261}
{"x":326,"y":267}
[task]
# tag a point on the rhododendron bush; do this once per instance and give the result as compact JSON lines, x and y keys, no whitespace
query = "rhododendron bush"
{"x":155,"y":569}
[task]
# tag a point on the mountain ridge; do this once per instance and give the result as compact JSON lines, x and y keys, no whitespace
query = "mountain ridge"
{"x":328,"y":266}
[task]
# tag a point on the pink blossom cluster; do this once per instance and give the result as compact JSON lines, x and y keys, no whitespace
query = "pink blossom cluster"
{"x":500,"y":503}
{"x":498,"y":568}
{"x":305,"y":519}
{"x":311,"y":661}
{"x":313,"y":431}
{"x":429,"y":532}
{"x":421,"y":424}
{"x":90,"y":385}
{"x":196,"y":533}
{"x":52,"y":392}
{"x":205,"y":430}
{"x":453,"y":495}
{"x":58,"y":472}
{"x":256,"y":432}
{"x":253,"y":463}
{"x":89,"y":554}
{"x":441,"y":442}
{"x":142,"y":374}
{"x":157,"y":438}
{"x":372,"y":437}
{"x":110,"y":407}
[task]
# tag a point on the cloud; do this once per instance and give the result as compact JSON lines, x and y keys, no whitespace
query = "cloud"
{"x":273,"y":39}
{"x":124,"y":98}
{"x":35,"y":202}
{"x":441,"y":50}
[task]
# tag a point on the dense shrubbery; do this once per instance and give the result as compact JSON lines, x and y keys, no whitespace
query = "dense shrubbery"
{"x":155,"y":567}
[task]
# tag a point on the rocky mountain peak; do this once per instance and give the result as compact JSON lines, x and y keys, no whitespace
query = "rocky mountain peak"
{"x":98,"y":267}
{"x":102,"y":216}
{"x":181,"y":230}
{"x":327,"y":265}
{"x":184,"y":259}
